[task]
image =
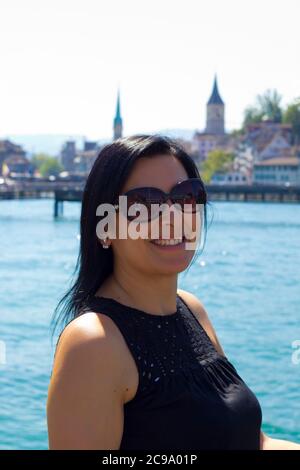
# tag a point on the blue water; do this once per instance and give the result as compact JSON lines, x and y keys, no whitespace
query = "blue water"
{"x":247,"y":278}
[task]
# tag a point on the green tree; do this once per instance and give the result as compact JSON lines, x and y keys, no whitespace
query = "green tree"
{"x":267,"y":106}
{"x":46,"y":164}
{"x":292,"y":116}
{"x":252,"y":115}
{"x":216,"y":161}
{"x":51,"y":166}
{"x":236,"y":132}
{"x":39,"y":158}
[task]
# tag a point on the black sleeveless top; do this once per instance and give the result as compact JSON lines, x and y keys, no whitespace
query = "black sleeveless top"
{"x":189,"y":396}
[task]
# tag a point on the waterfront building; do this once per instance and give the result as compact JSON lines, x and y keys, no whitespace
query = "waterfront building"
{"x":268,"y":139}
{"x":16,"y":166}
{"x":279,"y":170}
{"x":230,"y":177}
{"x":67,"y":156}
{"x":9,"y":149}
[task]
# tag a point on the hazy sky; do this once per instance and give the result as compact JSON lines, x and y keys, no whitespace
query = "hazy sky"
{"x":62,"y":62}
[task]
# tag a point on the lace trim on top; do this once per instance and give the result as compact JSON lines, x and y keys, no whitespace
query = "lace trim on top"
{"x":162,"y":345}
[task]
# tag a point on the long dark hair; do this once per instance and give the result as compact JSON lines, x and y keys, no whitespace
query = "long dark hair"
{"x":104,"y":183}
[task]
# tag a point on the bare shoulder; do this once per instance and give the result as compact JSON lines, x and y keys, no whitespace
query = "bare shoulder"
{"x":87,"y":386}
{"x":201,"y":314}
{"x":194,"y":304}
{"x":88,"y":348}
{"x":91,"y":336}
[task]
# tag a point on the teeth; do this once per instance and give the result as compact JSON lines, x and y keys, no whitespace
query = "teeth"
{"x":167,"y":242}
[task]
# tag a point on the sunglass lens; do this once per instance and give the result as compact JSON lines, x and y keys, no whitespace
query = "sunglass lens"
{"x":188,"y":194}
{"x":143,"y":203}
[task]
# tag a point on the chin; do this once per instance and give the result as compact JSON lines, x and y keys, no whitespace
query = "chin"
{"x":174,"y":266}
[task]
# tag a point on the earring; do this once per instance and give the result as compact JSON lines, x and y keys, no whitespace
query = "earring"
{"x":103,"y":244}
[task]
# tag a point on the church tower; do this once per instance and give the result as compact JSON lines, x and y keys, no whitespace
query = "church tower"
{"x":215,"y":112}
{"x":118,"y":125}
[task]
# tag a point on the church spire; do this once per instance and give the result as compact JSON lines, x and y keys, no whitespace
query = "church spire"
{"x":215,"y":97}
{"x":118,"y":124}
{"x":215,"y":122}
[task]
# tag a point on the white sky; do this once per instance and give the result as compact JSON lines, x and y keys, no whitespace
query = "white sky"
{"x":62,"y":61}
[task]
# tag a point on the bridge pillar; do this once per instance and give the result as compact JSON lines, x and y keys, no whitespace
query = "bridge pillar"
{"x":58,"y":208}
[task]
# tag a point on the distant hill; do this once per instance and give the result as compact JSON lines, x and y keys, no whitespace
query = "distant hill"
{"x":45,"y":143}
{"x":52,"y":144}
{"x":186,"y":134}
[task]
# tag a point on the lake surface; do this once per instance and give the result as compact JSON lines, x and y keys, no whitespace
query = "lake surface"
{"x":248,"y":279}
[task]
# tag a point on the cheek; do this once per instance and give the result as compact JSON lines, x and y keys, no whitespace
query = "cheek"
{"x":192,"y":224}
{"x":132,"y":253}
{"x":129,"y":237}
{"x":130,"y":230}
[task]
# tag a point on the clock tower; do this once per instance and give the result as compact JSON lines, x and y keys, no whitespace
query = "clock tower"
{"x":215,"y":112}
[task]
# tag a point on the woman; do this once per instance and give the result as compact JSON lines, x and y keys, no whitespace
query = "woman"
{"x":138,"y":364}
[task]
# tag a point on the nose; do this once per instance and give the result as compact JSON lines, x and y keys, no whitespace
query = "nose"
{"x":170,"y":203}
{"x":174,"y":221}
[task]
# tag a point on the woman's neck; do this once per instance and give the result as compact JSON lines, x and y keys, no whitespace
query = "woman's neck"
{"x":154,"y":294}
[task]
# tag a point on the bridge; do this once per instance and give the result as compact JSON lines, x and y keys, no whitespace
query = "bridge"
{"x":61,"y":191}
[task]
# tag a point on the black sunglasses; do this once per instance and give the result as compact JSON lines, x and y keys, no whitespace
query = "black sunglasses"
{"x":188,"y":194}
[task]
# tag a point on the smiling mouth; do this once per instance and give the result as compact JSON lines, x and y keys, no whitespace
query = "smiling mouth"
{"x":168,"y":242}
